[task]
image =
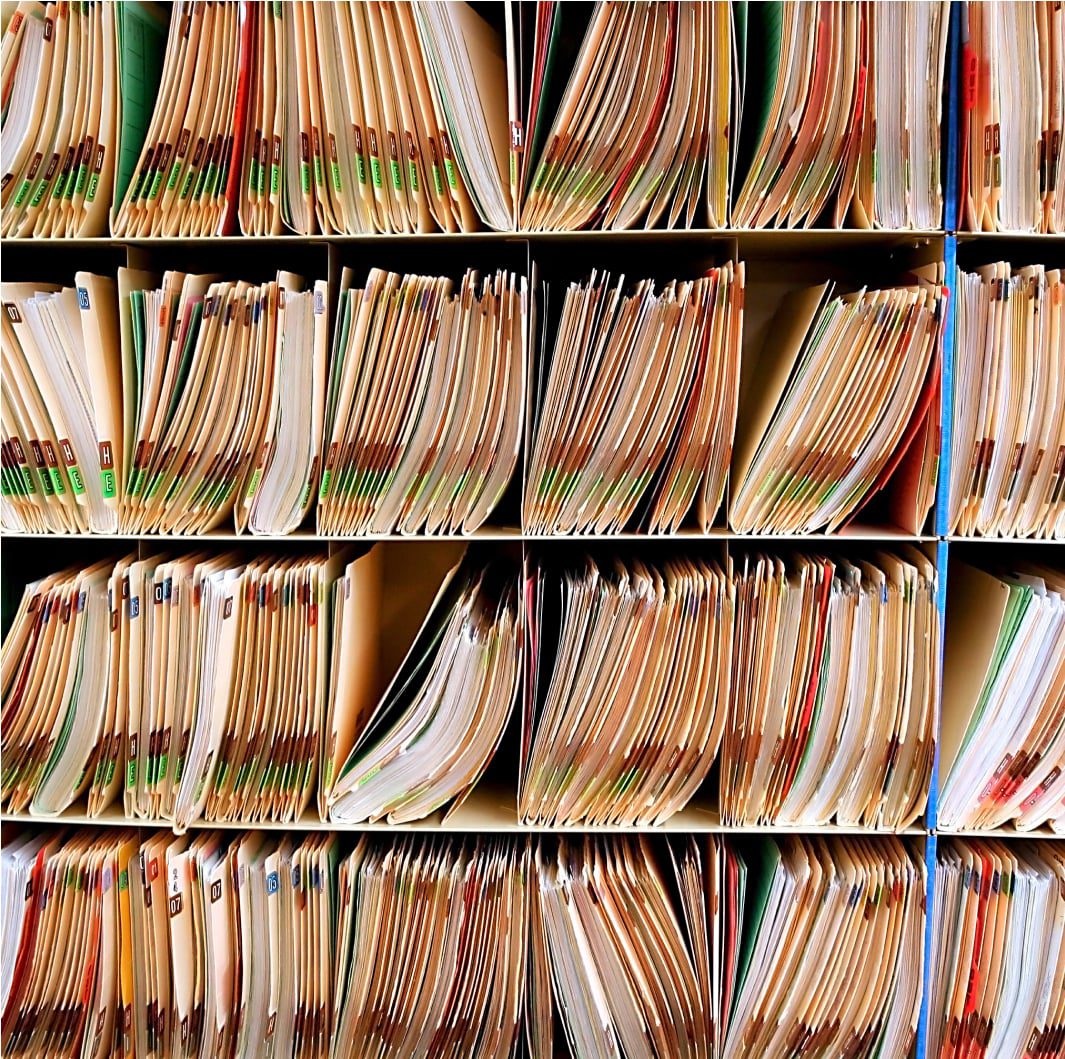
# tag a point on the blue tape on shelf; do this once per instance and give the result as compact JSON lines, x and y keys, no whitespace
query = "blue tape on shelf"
{"x":952,"y":183}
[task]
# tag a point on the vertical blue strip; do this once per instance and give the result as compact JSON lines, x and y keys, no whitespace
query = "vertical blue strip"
{"x":926,"y":990}
{"x":946,"y":396}
{"x":952,"y":181}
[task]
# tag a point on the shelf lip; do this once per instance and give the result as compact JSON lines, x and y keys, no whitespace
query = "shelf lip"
{"x":491,"y":236}
{"x":464,"y":823}
{"x":638,"y":235}
{"x":495,"y":533}
{"x":1005,"y":237}
{"x":955,"y":538}
{"x":1035,"y":834}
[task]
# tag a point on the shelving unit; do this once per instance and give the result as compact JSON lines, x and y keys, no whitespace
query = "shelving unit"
{"x":776,"y":260}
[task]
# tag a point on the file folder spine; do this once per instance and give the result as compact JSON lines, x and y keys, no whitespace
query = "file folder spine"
{"x":946,"y":389}
{"x":929,"y":934}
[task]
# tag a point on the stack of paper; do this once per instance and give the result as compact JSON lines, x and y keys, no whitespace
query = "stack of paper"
{"x":425,"y":403}
{"x":764,"y":960}
{"x":238,"y":689}
{"x":465,"y":61}
{"x":55,"y":689}
{"x":832,"y":961}
{"x":186,"y":179}
{"x":22,"y":862}
{"x":1003,"y":729}
{"x":609,"y":955}
{"x":1008,"y":443}
{"x":642,"y":130}
{"x":636,"y":417}
{"x":384,"y":117}
{"x":842,"y":395}
{"x":1012,"y":165}
{"x":841,"y":108}
{"x":164,"y":409}
{"x":833,"y":692}
{"x":192,"y":685}
{"x":431,"y":949}
{"x":623,"y":723}
{"x":77,"y":85}
{"x":62,"y":405}
{"x":998,"y":959}
{"x":174,"y":946}
{"x":430,"y":737}
{"x":248,"y":945}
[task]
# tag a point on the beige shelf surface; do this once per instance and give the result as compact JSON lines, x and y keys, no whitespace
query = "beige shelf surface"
{"x":488,"y":810}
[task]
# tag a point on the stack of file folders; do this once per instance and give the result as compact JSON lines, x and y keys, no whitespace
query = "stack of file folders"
{"x":389,"y":117}
{"x":245,"y":689}
{"x":1011,"y":117}
{"x":244,"y":945}
{"x":810,"y":683}
{"x":1002,"y":756}
{"x":179,"y":403}
{"x":234,"y":688}
{"x":998,"y":962}
{"x":1008,"y":448}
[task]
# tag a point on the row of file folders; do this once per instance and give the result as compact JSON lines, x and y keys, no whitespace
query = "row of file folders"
{"x":389,"y":117}
{"x":248,"y":945}
{"x":419,"y":404}
{"x":608,"y":690}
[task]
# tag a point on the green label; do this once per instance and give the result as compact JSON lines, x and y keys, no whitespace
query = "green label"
{"x":317,"y":171}
{"x":412,"y":176}
{"x":397,"y":176}
{"x":107,"y":483}
{"x":449,"y":168}
{"x":39,"y":193}
{"x":335,"y":170}
{"x":275,"y":179}
{"x":22,"y":193}
{"x":212,"y":176}
{"x":360,"y":168}
{"x":254,"y":483}
{"x":305,"y":178}
{"x":157,"y":183}
{"x":94,"y":183}
{"x":79,"y":184}
{"x":131,"y":773}
{"x":375,"y":172}
{"x":57,"y":480}
{"x":76,"y":481}
{"x":327,"y":478}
